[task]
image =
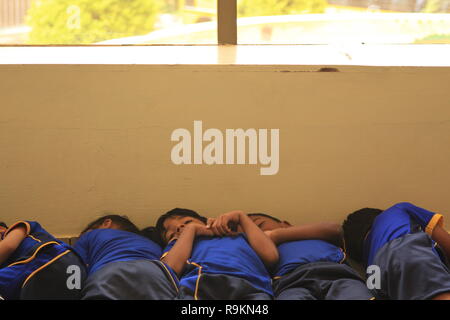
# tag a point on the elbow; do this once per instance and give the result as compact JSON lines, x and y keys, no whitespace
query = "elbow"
{"x":176,"y":267}
{"x":271,"y":258}
{"x":178,"y":271}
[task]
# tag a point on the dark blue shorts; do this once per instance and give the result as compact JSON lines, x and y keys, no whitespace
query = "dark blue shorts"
{"x":410,"y":270}
{"x":53,"y":282}
{"x":222,"y":287}
{"x":321,"y":281}
{"x":131,"y":280}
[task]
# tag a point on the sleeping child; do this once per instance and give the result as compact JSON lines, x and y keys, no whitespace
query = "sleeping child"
{"x":312,"y":265}
{"x":35,"y":265}
{"x":213,"y":261}
{"x":408,"y":245}
{"x":122,"y":264}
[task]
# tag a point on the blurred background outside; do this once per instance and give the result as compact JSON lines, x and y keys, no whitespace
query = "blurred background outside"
{"x":140,"y":22}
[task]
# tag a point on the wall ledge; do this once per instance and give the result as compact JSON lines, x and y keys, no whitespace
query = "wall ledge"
{"x":412,"y":55}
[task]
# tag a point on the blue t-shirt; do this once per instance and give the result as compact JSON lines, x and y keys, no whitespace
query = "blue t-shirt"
{"x":395,"y":222}
{"x":231,"y":256}
{"x":37,"y":249}
{"x":296,"y":253}
{"x":101,"y":246}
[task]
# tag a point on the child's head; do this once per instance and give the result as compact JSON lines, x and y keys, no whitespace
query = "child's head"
{"x":171,"y":223}
{"x":3,"y":227}
{"x":356,"y":228}
{"x":266,"y":222}
{"x":112,"y":221}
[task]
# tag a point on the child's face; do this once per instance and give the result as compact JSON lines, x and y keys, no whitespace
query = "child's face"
{"x":174,"y":225}
{"x":265,"y":223}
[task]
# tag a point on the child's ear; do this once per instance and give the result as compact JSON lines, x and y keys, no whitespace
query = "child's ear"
{"x":106,"y":224}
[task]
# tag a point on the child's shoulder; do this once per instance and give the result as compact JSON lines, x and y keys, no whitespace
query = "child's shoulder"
{"x":101,"y":235}
{"x":392,"y":216}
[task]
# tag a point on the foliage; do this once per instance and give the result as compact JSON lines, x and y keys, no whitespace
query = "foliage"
{"x":249,"y":8}
{"x":435,"y":6}
{"x":435,"y":38}
{"x":89,"y":21}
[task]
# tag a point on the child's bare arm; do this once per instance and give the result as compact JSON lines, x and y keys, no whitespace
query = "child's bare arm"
{"x":181,"y":251}
{"x":11,"y":241}
{"x":258,"y":240}
{"x":441,"y":236}
{"x":319,"y":231}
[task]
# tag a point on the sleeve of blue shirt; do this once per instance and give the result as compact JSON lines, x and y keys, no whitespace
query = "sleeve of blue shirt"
{"x":426,"y":219}
{"x":31,"y":227}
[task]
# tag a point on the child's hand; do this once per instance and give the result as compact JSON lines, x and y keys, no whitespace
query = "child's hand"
{"x":196,"y":229}
{"x":209,"y":222}
{"x":222,"y":225}
{"x":201,"y":230}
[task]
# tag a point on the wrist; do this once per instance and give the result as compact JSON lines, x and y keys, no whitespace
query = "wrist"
{"x":200,"y":230}
{"x":190,"y":229}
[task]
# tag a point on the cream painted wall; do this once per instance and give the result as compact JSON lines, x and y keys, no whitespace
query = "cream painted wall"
{"x":77,"y":141}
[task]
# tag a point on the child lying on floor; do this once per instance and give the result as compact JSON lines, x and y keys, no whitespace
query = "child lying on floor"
{"x":35,"y":265}
{"x":310,"y":268}
{"x":122,"y":264}
{"x":213,"y":262}
{"x":401,"y":242}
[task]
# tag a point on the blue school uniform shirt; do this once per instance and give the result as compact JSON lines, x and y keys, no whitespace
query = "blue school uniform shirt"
{"x":296,"y":253}
{"x":231,"y":256}
{"x":101,"y":246}
{"x":32,"y":255}
{"x":395,"y":222}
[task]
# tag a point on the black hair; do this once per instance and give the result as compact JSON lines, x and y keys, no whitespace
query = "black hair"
{"x":355,"y":229}
{"x":177,"y":212}
{"x":122,"y":221}
{"x":2,"y":224}
{"x":264,"y":215}
{"x":152,"y":234}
